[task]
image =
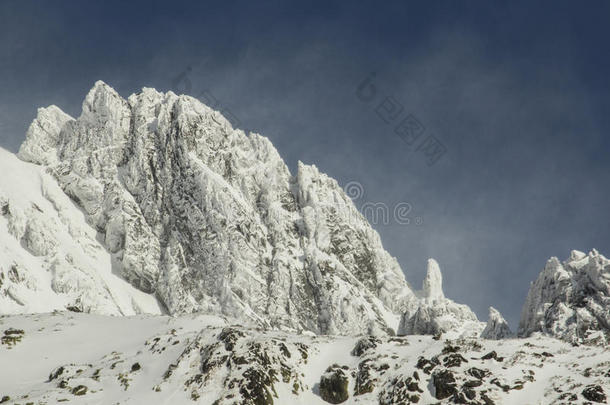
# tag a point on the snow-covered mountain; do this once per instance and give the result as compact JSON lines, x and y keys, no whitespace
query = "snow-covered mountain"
{"x":570,"y":300}
{"x":160,"y":191}
{"x":230,"y":276}
{"x":50,"y":257}
{"x":434,"y":314}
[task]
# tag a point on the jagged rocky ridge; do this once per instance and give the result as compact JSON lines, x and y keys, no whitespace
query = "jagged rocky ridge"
{"x":207,"y":218}
{"x":155,"y":204}
{"x":570,"y":300}
{"x":435,"y":314}
{"x":497,"y":327}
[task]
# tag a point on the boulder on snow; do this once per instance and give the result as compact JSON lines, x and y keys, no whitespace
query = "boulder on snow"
{"x":334,"y":385}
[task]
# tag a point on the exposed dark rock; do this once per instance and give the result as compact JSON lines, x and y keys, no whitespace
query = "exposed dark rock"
{"x":400,"y":391}
{"x":365,"y":382}
{"x":426,"y":365}
{"x":486,"y":399}
{"x":594,"y":393}
{"x":450,"y":349}
{"x":569,"y":397}
{"x":12,"y":337}
{"x":229,"y":336}
{"x":333,"y":385}
{"x":498,"y":383}
{"x":364,"y":344}
{"x":454,"y":360}
{"x":56,"y":373}
{"x":256,"y":390}
{"x":444,"y":384}
{"x":477,"y":373}
{"x":492,"y":355}
{"x":472,"y":383}
{"x":412,"y":385}
{"x":79,"y":390}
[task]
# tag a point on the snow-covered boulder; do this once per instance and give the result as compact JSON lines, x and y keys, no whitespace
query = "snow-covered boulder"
{"x":497,"y":327}
{"x":433,"y":313}
{"x":570,"y":300}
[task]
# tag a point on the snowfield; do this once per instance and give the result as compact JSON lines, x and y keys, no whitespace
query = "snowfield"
{"x":93,"y":359}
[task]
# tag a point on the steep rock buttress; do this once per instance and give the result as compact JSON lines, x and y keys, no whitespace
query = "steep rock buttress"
{"x":208,"y":218}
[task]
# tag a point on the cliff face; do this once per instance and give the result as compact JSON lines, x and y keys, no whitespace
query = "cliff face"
{"x":207,"y":218}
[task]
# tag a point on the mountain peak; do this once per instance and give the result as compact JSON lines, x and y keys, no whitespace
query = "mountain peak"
{"x":497,"y":327}
{"x":434,"y":313}
{"x":205,"y":218}
{"x":103,"y":104}
{"x":568,"y":299}
{"x":42,"y":137}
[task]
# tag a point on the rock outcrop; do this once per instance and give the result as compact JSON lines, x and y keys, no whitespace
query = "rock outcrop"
{"x":203,"y":217}
{"x":497,"y":327}
{"x":570,"y":300}
{"x":434,"y":314}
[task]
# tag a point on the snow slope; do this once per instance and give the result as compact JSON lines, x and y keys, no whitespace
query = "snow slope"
{"x":50,"y":257}
{"x":92,"y":359}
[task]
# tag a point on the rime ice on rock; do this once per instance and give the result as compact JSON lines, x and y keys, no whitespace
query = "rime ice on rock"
{"x":497,"y":327}
{"x":156,"y":203}
{"x":434,"y":314}
{"x":207,"y":218}
{"x":570,"y":300}
{"x":433,"y":283}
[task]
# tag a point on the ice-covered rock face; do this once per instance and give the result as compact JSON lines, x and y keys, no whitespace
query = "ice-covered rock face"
{"x":50,"y":257}
{"x":570,"y":301}
{"x":208,"y":218}
{"x":497,"y":327}
{"x":433,"y":283}
{"x":434,"y":314}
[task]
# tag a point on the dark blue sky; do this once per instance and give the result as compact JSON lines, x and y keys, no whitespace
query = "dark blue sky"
{"x":516,"y":92}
